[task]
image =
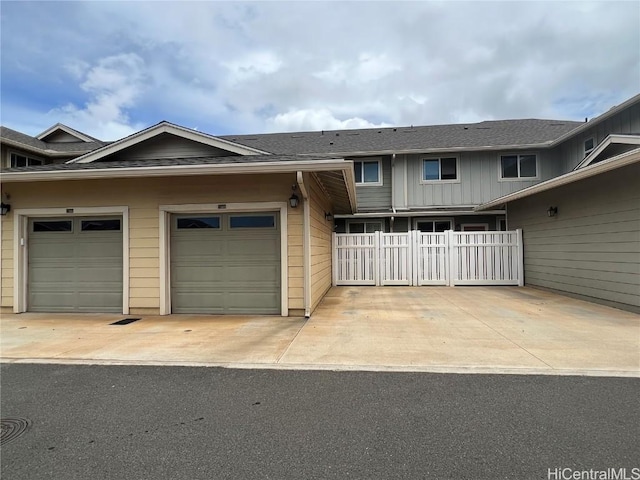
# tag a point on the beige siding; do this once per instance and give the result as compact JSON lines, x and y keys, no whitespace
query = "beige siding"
{"x":143,"y":197}
{"x":591,"y":249}
{"x":6,"y":263}
{"x":321,"y":238}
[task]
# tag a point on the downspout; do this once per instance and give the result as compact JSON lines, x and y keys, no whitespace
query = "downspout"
{"x":306,"y":245}
{"x":393,"y":193}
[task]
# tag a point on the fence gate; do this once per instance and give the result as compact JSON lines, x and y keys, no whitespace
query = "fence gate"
{"x":416,"y":258}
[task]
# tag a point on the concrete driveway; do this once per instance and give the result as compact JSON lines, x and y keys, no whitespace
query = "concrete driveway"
{"x":438,"y":329}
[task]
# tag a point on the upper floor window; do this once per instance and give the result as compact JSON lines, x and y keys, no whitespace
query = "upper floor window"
{"x":439,"y":169}
{"x":364,"y":227}
{"x":19,"y":160}
{"x":589,"y":145}
{"x":432,"y":226}
{"x":518,"y":166}
{"x":368,"y":172}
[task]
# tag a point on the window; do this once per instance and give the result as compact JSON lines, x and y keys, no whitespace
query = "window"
{"x":439,"y":169}
{"x":18,"y":160}
{"x":474,"y":227}
{"x":99,"y":225}
{"x":518,"y":166}
{"x":367,"y":172}
{"x":431,"y":226}
{"x":589,"y":145}
{"x":252,"y":221}
{"x":52,"y":226}
{"x":364,"y":227}
{"x":198,"y":222}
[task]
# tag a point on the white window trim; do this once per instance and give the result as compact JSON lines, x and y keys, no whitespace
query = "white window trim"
{"x":485,"y":225}
{"x":452,"y":224}
{"x":21,"y":245}
{"x":28,"y":155}
{"x":439,"y":158}
{"x":584,"y":149}
{"x":379,"y":183}
{"x":379,"y":222}
{"x":518,"y":178}
{"x":165,"y":212}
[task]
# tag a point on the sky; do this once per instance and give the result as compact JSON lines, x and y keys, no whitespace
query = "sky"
{"x":111,"y":68}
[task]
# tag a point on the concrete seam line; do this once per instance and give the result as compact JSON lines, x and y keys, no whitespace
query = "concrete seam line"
{"x":292,"y":340}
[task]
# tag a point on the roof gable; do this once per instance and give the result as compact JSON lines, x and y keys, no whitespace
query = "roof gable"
{"x":166,"y":128}
{"x":610,"y":146}
{"x":60,"y":133}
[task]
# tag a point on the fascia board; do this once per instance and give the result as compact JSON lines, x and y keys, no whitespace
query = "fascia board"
{"x":426,"y":151}
{"x":180,"y":170}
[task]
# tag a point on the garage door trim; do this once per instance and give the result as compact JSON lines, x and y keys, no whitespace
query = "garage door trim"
{"x":21,"y":242}
{"x":165,"y":230}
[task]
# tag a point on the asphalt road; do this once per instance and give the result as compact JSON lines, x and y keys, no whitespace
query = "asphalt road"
{"x":117,"y":422}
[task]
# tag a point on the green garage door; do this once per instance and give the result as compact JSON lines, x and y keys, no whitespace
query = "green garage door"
{"x":225,"y":263}
{"x":75,"y":264}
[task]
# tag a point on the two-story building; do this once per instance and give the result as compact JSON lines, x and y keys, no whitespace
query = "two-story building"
{"x":171,"y":220}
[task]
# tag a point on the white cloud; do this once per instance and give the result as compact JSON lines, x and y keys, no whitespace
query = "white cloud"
{"x":113,"y":85}
{"x":310,"y":119}
{"x":264,"y":66}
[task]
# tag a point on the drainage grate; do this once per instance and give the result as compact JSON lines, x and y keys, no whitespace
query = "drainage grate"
{"x":12,"y":428}
{"x":125,"y":321}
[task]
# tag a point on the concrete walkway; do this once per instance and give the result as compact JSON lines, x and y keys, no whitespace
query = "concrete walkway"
{"x":435,"y":329}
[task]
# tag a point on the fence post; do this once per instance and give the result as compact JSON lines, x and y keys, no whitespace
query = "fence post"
{"x":452,"y":266}
{"x":415,"y":255}
{"x":334,"y":262}
{"x":520,"y":250}
{"x":377,"y":255}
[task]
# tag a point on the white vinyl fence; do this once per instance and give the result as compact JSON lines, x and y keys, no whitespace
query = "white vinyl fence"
{"x":416,"y":258}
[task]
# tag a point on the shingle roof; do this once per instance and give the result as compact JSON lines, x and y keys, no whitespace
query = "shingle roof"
{"x":501,"y":133}
{"x":13,"y":136}
{"x":167,"y":162}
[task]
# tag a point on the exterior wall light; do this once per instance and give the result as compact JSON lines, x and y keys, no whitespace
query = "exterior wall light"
{"x":294,"y":201}
{"x":552,"y":212}
{"x":328,"y":216}
{"x":4,"y":208}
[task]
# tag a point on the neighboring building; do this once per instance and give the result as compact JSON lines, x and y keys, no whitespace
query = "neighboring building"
{"x":173,"y":220}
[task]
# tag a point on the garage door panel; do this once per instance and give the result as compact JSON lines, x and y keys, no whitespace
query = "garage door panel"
{"x":75,"y":271}
{"x":225,"y":270}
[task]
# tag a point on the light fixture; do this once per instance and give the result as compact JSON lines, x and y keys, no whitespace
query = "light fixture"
{"x":328,"y":216}
{"x":294,"y":200}
{"x":4,"y":208}
{"x":552,"y":212}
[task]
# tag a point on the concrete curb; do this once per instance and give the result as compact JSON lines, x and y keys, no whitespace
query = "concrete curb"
{"x":463,"y":370}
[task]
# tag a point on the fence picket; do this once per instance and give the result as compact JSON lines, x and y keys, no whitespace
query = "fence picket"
{"x":417,"y":258}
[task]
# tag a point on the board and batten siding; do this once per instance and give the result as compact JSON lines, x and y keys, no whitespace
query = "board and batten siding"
{"x":571,"y":152}
{"x":479,"y":179}
{"x":166,"y":145}
{"x":321,"y":242}
{"x":372,"y":197}
{"x":143,"y":197}
{"x":591,"y":248}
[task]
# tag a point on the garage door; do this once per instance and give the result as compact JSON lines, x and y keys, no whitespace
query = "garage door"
{"x":225,"y":263}
{"x":75,"y":264}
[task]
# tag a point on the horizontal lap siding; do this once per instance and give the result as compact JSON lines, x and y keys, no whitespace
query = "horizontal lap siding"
{"x":143,"y":198}
{"x":321,"y":238}
{"x":6,"y":264}
{"x":592,"y":247}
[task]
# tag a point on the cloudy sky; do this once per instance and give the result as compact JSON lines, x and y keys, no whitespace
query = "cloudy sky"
{"x":111,"y":68}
